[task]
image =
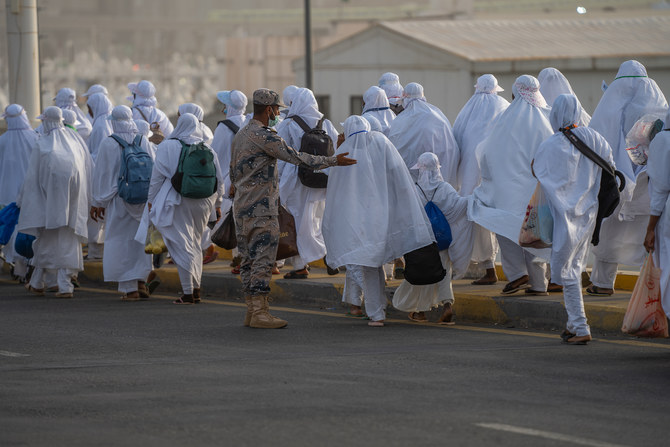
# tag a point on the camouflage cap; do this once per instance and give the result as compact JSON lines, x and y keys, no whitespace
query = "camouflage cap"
{"x":267,"y":97}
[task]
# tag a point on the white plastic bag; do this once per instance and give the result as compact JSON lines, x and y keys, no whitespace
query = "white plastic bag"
{"x":644,"y":316}
{"x":537,"y":230}
{"x":639,"y":137}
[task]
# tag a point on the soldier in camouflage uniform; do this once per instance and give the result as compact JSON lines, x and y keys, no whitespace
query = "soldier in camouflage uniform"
{"x":253,"y":175}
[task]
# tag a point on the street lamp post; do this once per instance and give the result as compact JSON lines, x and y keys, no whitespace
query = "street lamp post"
{"x":308,"y":45}
{"x":23,"y":51}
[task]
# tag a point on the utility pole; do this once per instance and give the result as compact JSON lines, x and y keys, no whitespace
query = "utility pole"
{"x":23,"y":51}
{"x":308,"y":45}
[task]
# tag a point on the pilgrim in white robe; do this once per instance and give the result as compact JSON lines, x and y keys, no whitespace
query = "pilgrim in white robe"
{"x":422,"y":127}
{"x":16,"y":146}
{"x":377,"y":105}
{"x":499,"y":203}
{"x":54,"y":201}
{"x":472,"y":125}
{"x":66,"y":99}
{"x":124,"y":260}
{"x":100,"y":107}
{"x":305,"y":204}
{"x":628,"y":98}
{"x":456,"y":258}
{"x":659,"y":190}
{"x":372,"y":215}
{"x":390,"y":83}
{"x":144,"y":106}
{"x":197,"y":111}
{"x":552,"y":84}
{"x":180,"y":220}
{"x":571,"y":182}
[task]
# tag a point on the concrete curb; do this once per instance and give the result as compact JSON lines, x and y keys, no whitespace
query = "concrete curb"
{"x":323,"y":292}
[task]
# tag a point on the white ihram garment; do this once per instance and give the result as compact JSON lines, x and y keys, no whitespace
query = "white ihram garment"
{"x":411,"y":298}
{"x":552,"y":84}
{"x":422,"y":127}
{"x":124,"y":258}
{"x":66,"y":99}
{"x":472,"y":125}
{"x":55,"y":198}
{"x":180,"y":220}
{"x":16,"y":146}
{"x":101,"y":107}
{"x":571,"y":183}
{"x":629,"y":97}
{"x":659,"y":187}
{"x":377,"y":105}
{"x":304,"y":203}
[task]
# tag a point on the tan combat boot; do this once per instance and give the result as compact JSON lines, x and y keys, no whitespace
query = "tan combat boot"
{"x":260,"y":317}
{"x":250,"y":311}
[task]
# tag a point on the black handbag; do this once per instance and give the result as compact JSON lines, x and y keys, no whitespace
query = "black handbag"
{"x":288,"y":240}
{"x":423,"y":266}
{"x":609,"y":194}
{"x":225,"y":236}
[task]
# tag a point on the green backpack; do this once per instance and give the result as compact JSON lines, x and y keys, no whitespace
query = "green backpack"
{"x":196,"y":173}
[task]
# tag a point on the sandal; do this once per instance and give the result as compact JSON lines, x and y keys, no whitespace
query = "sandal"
{"x":362,"y":316}
{"x":566,"y":335}
{"x":516,"y":285}
{"x":142,"y":290}
{"x":293,"y":274}
{"x":554,"y":288}
{"x":153,"y":285}
{"x":376,"y":323}
{"x":132,"y":296}
{"x":532,"y":292}
{"x":598,"y":291}
{"x":484,"y":282}
{"x":211,"y":258}
{"x":196,"y":296}
{"x":578,"y":340}
{"x":447,"y":317}
{"x":184,"y":299}
{"x":235,"y":270}
{"x":414,"y":317}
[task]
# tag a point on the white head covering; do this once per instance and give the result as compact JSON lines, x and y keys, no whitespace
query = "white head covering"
{"x":69,"y":117}
{"x":627,"y":99}
{"x":52,"y":118}
{"x":197,"y":111}
{"x":193,"y":109}
{"x":122,"y":121}
{"x":143,"y":128}
{"x":499,"y":202}
{"x":528,"y":88}
{"x":187,"y":129}
{"x":473,"y":124}
{"x":422,"y":127}
{"x":16,"y":146}
{"x":305,"y":106}
{"x":145,"y":93}
{"x":553,"y":84}
{"x":371,"y":204}
{"x":235,"y":101}
{"x":375,"y":125}
{"x":287,"y":94}
{"x":96,"y":88}
{"x":100,"y":105}
{"x":377,"y":105}
{"x":390,"y":83}
{"x":430,"y":176}
{"x":66,"y":99}
{"x":16,"y":117}
{"x":488,"y":84}
{"x":572,"y":192}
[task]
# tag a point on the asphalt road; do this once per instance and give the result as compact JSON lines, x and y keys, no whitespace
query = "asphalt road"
{"x":97,"y":371}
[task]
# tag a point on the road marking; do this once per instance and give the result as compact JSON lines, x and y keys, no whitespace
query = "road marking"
{"x":13,"y":354}
{"x":547,"y":435}
{"x":632,"y":343}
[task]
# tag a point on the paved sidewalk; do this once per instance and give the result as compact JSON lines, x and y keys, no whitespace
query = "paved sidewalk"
{"x":481,"y":304}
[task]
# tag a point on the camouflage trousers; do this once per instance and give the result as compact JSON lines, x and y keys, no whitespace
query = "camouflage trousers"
{"x":257,"y":240}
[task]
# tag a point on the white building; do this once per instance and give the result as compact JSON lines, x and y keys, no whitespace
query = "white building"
{"x":447,"y":56}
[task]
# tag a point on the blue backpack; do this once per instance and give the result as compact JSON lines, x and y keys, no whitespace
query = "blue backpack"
{"x":9,"y":217}
{"x":135,"y":171}
{"x":24,"y":245}
{"x":441,"y":227}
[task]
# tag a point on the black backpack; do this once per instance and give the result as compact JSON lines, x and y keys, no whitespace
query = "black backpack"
{"x":424,"y":266}
{"x":234,"y":128}
{"x":610,"y":193}
{"x":314,"y":142}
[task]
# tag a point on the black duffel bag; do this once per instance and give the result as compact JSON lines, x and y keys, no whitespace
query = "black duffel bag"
{"x":423,"y":266}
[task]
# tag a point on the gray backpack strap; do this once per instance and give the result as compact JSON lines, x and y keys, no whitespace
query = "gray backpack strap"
{"x":301,"y":122}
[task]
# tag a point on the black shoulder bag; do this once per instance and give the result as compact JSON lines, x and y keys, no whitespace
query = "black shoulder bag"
{"x":610,"y":193}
